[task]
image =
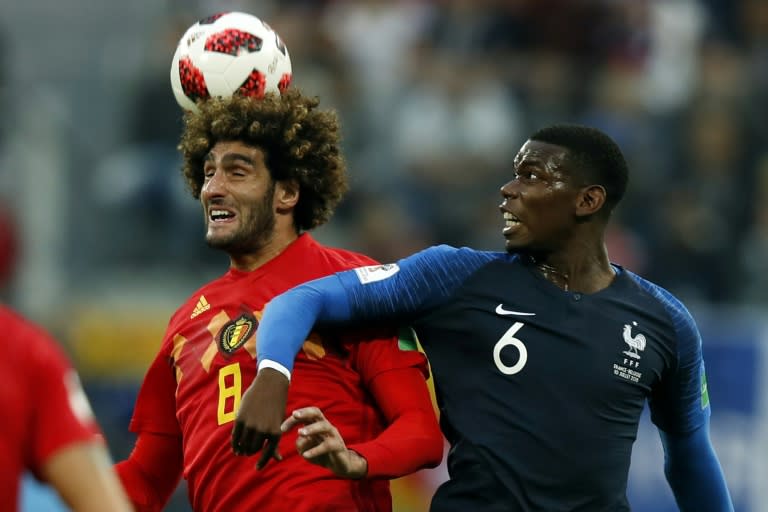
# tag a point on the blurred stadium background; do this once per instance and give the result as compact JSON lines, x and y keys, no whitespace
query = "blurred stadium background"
{"x":99,"y":241}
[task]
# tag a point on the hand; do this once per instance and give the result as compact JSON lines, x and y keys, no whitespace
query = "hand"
{"x":320,"y":443}
{"x":262,"y":408}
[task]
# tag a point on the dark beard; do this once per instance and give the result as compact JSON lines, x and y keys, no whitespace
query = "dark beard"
{"x":256,"y":233}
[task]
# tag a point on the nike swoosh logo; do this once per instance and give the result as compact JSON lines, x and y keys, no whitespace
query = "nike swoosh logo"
{"x":504,"y":312}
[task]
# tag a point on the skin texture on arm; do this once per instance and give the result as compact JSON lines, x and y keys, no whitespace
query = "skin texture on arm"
{"x":693,"y":472}
{"x":82,"y":474}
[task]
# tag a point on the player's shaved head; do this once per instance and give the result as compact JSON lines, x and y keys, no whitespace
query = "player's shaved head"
{"x":593,"y":157}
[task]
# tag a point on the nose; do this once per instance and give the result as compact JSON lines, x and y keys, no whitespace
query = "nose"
{"x":213,"y":185}
{"x":509,"y":189}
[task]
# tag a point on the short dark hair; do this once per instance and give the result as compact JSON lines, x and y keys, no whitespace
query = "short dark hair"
{"x":593,"y":154}
{"x":300,"y":142}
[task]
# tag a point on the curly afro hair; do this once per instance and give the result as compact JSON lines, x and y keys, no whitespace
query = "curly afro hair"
{"x":299,"y":141}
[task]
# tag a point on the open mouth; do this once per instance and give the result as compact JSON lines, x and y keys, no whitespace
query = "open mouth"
{"x":510,"y":221}
{"x":219,"y":215}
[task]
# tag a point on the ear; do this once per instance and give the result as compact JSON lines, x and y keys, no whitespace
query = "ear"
{"x":286,"y":195}
{"x":590,"y":200}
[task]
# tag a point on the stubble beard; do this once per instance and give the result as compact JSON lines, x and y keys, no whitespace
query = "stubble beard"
{"x":253,"y":234}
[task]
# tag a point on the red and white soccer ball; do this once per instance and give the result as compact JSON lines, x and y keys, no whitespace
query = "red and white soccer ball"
{"x":229,"y":53}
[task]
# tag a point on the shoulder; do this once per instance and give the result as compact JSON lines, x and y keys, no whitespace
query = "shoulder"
{"x":325,"y":257}
{"x":435,"y":270}
{"x":210,"y":288}
{"x":442,"y":262}
{"x":13,"y":322}
{"x":448,"y":265}
{"x":343,"y":259}
{"x":457,"y":255}
{"x":659,"y":294}
{"x":346,"y":259}
{"x":678,"y":315}
{"x":29,"y":344}
{"x":24,"y":331}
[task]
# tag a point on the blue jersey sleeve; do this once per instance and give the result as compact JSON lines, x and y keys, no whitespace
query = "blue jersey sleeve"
{"x":413,"y":285}
{"x":396,"y":291}
{"x":694,"y":473}
{"x":289,"y":317}
{"x":680,"y":409}
{"x":680,"y":403}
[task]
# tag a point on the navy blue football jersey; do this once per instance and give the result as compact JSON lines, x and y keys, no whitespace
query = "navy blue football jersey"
{"x":540,"y":390}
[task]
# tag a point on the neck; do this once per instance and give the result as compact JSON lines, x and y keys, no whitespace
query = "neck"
{"x":552,"y":274}
{"x":247,"y":262}
{"x":585,"y":273}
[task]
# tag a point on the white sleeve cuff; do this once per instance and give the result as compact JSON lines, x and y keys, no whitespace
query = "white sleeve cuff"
{"x":266,"y":363}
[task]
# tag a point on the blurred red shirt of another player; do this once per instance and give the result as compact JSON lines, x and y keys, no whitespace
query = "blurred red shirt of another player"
{"x":43,"y":406}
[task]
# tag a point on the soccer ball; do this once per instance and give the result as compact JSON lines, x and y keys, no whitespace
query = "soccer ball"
{"x":229,"y":53}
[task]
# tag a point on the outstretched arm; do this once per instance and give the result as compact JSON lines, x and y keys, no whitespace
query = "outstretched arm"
{"x":281,"y":335}
{"x":282,"y":331}
{"x":379,"y":292}
{"x":693,"y":472}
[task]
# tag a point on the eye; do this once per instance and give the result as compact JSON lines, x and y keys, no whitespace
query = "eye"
{"x":526,"y":175}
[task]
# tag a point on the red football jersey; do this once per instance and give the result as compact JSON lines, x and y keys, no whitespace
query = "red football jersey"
{"x":43,"y":405}
{"x":208,"y":359}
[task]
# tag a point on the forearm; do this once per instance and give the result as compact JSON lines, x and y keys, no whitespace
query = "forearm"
{"x":83,"y":476}
{"x":398,"y":452}
{"x":289,"y":318}
{"x":152,"y":471}
{"x":693,"y":472}
{"x":412,"y":440}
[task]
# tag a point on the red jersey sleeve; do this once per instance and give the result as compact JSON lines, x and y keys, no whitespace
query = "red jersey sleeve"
{"x":62,"y":414}
{"x":395,"y":372}
{"x":152,"y":471}
{"x":386,"y":353}
{"x":155,"y":409}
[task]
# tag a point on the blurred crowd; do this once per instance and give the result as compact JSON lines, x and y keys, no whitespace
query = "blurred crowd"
{"x":436,"y":98}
